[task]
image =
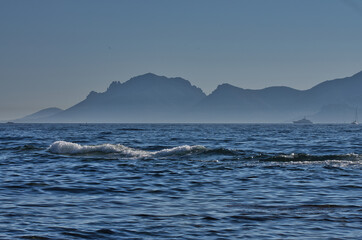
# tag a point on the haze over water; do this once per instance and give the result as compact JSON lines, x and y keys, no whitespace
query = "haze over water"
{"x":180,"y":181}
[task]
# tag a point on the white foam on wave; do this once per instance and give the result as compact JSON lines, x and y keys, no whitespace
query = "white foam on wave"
{"x":63,"y":147}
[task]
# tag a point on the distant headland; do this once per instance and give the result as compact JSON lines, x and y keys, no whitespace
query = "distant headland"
{"x":150,"y":98}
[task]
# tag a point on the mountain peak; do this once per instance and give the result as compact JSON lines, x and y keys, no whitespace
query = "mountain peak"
{"x":147,"y":76}
{"x":151,"y":83}
{"x":140,"y":78}
{"x":226,"y":87}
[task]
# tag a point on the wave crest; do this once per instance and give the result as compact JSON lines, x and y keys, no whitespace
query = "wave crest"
{"x":63,"y":147}
{"x":70,"y":148}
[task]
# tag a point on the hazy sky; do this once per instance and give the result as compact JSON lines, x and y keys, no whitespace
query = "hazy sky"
{"x":53,"y":53}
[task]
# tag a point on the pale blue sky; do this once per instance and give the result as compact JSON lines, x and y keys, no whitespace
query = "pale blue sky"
{"x":53,"y":53}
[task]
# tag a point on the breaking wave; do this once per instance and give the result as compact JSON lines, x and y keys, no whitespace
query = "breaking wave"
{"x":69,"y":148}
{"x":63,"y":147}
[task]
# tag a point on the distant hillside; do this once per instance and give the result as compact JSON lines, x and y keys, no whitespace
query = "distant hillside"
{"x":333,"y":113}
{"x":232,"y":104}
{"x":40,"y":115}
{"x":153,"y":98}
{"x":145,"y":98}
{"x":280,"y":104}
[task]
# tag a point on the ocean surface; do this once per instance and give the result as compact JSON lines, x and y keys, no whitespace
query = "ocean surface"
{"x":180,"y":181}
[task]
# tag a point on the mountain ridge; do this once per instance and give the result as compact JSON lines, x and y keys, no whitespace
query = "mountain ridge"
{"x":153,"y":98}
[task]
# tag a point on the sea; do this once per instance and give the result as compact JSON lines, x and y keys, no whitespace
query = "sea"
{"x":180,"y":181}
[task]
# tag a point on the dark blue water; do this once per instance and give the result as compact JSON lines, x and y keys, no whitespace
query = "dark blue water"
{"x":123,"y":181}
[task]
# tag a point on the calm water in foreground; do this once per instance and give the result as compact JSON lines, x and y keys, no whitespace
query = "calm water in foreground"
{"x":164,"y":181}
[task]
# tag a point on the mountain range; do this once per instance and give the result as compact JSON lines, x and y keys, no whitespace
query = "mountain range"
{"x":150,"y":98}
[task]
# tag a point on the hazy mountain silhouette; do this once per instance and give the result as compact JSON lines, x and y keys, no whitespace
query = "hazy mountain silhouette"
{"x":333,"y":113}
{"x":145,"y":98}
{"x":232,"y":104}
{"x":279,"y":104}
{"x":42,"y":114}
{"x":152,"y":98}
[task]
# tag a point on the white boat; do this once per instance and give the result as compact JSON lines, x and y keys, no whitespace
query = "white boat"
{"x":303,"y":121}
{"x":355,"y":122}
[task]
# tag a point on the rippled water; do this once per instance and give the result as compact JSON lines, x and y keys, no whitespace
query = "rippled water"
{"x":164,"y":181}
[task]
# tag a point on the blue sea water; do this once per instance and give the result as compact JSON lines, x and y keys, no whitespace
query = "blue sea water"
{"x":180,"y":181}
